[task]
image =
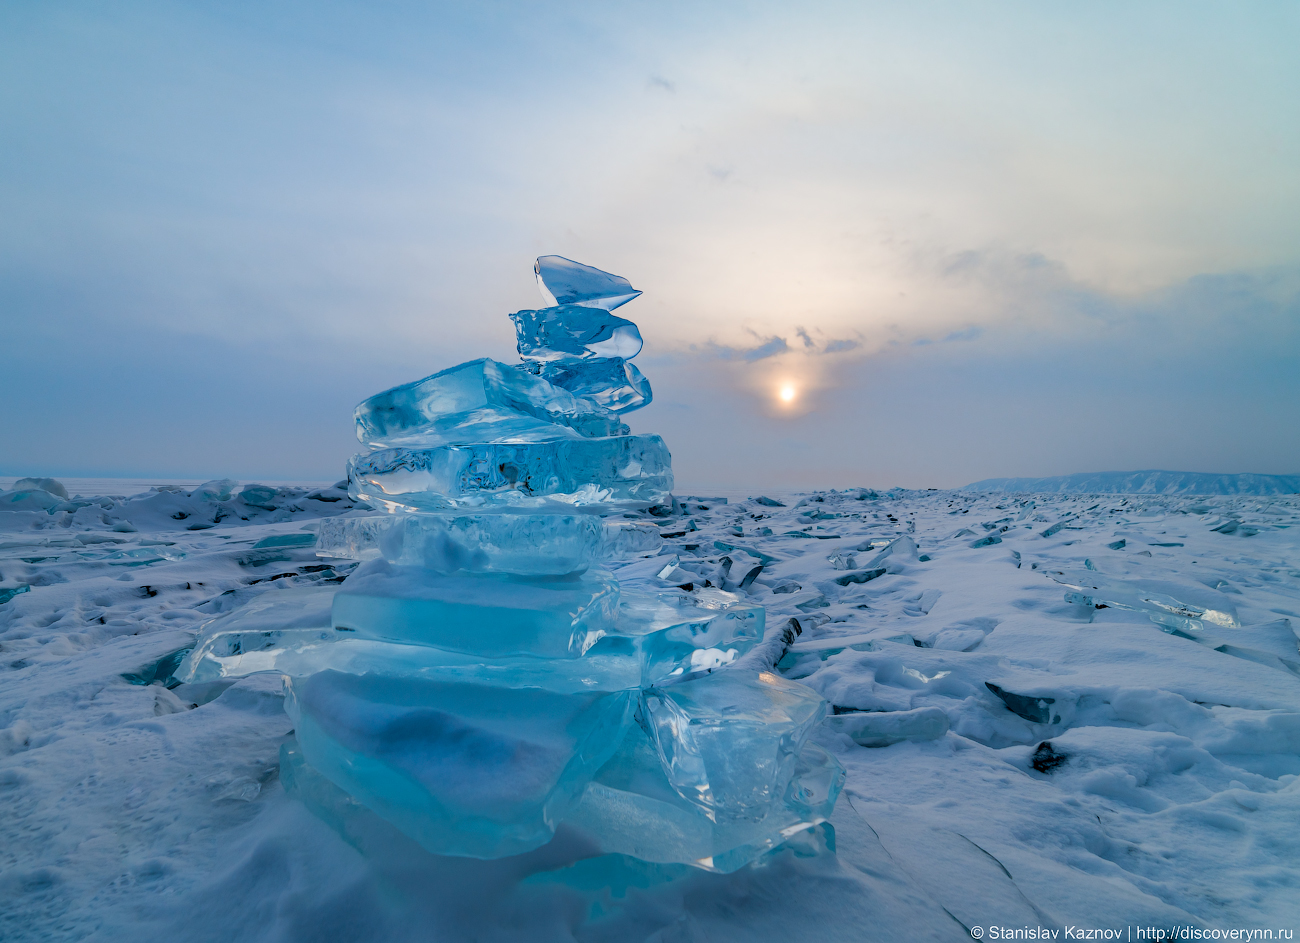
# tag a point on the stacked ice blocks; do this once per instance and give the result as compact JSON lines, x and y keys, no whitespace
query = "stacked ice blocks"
{"x":480,"y":678}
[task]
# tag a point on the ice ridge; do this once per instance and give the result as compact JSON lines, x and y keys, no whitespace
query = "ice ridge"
{"x":1143,"y":482}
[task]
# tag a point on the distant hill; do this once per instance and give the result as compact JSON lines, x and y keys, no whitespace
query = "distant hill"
{"x":1146,"y":482}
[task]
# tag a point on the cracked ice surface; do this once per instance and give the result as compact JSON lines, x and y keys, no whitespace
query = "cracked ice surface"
{"x":1167,"y":795}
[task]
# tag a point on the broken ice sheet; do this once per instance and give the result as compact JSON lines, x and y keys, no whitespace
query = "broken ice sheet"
{"x":565,"y":282}
{"x":1170,"y":605}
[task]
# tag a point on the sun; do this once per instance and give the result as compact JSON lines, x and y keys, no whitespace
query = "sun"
{"x":787,"y":393}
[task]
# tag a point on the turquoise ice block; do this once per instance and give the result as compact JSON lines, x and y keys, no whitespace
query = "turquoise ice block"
{"x":484,"y":614}
{"x":463,"y":769}
{"x":479,"y":401}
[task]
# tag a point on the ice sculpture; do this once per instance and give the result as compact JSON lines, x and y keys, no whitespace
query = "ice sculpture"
{"x":480,"y":678}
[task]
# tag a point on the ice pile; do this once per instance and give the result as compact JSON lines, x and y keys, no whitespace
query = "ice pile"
{"x":481,"y":678}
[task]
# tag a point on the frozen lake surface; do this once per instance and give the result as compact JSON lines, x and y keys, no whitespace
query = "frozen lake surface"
{"x":1056,"y":711}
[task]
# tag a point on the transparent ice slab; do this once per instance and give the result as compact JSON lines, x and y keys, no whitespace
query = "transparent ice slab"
{"x":613,"y":382}
{"x":253,"y":637}
{"x":672,"y":633}
{"x":503,"y":542}
{"x":479,"y":401}
{"x":484,"y":614}
{"x":574,"y":332}
{"x":629,"y":540}
{"x":463,"y":769}
{"x":630,"y":808}
{"x":631,"y":471}
{"x":565,"y":282}
{"x":729,"y":740}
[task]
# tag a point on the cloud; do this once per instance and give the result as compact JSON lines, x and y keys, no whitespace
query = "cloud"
{"x":771,"y":347}
{"x":1197,"y":377}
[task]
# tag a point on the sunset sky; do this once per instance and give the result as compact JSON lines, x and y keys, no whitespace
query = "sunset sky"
{"x":881,"y":244}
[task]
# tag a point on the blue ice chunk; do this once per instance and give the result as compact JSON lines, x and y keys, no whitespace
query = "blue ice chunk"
{"x":464,"y":769}
{"x":632,"y":471}
{"x":32,"y":499}
{"x":48,"y":485}
{"x":259,"y":496}
{"x":630,"y":808}
{"x":479,"y":401}
{"x":729,"y":740}
{"x":143,"y":556}
{"x":612,"y":382}
{"x":565,"y":282}
{"x":286,"y":540}
{"x":219,"y":489}
{"x":12,"y":591}
{"x":574,"y":332}
{"x":484,"y":614}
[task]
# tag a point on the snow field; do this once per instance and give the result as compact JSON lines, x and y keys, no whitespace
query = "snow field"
{"x":1125,"y":775}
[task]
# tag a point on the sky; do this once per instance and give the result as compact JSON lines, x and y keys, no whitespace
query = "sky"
{"x":969,"y":240}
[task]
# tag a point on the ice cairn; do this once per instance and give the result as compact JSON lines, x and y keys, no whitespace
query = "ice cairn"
{"x":480,"y":679}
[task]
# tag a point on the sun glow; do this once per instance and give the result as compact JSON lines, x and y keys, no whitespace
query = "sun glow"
{"x":787,"y":393}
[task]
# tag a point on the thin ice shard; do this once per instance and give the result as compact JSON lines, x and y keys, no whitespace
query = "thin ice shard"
{"x":565,"y":282}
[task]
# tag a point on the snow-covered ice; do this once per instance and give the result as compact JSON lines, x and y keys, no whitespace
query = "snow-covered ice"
{"x":1016,"y":755}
